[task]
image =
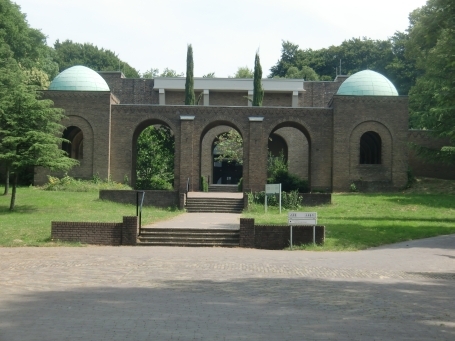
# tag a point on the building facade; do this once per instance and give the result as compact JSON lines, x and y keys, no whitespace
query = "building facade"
{"x":351,"y":130}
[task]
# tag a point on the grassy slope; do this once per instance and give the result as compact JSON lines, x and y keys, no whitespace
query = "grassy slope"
{"x":357,"y":221}
{"x":30,"y":223}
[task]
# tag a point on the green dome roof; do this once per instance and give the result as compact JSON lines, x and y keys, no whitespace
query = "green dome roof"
{"x":367,"y":83}
{"x":79,"y":78}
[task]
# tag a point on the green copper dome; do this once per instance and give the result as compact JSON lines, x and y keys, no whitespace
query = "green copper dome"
{"x":367,"y":83}
{"x":79,"y":78}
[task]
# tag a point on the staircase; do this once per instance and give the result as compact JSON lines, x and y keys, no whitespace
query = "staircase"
{"x":188,"y":237}
{"x":214,"y":205}
{"x":224,"y":188}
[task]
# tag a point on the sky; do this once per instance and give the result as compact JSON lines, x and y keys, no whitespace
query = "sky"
{"x":225,"y":35}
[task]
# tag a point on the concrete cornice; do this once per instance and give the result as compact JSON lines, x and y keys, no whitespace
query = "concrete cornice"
{"x":229,"y":84}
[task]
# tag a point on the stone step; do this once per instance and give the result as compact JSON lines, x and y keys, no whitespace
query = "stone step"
{"x":214,"y":205}
{"x":188,"y":237}
{"x":185,"y":244}
{"x":224,"y":188}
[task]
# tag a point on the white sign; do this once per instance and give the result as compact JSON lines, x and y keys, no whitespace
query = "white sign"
{"x":302,"y":218}
{"x":273,"y":189}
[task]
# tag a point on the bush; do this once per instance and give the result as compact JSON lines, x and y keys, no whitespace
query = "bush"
{"x":153,"y":183}
{"x":289,"y":182}
{"x":204,"y":186}
{"x":69,"y":184}
{"x":290,"y":200}
{"x":240,"y":185}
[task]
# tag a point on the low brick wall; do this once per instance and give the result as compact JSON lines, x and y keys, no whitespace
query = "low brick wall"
{"x":276,"y":237}
{"x":315,"y":199}
{"x":152,"y":198}
{"x":124,"y":233}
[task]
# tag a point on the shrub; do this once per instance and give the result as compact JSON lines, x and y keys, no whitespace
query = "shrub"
{"x":289,"y":182}
{"x":240,"y":185}
{"x":69,"y":184}
{"x":290,"y":200}
{"x":204,"y":186}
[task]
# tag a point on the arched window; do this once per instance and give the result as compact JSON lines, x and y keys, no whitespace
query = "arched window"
{"x":370,"y":148}
{"x":75,"y":148}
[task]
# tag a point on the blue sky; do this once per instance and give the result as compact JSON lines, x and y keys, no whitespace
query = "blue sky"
{"x":224,"y":34}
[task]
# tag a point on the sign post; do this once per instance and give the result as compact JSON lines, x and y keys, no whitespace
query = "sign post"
{"x":272,"y":189}
{"x":303,"y":218}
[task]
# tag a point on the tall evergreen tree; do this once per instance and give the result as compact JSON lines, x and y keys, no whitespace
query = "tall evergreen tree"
{"x":258,"y":92}
{"x":190,"y":98}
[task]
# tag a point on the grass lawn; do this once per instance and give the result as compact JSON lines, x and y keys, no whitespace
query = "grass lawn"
{"x":30,"y":223}
{"x":357,"y":221}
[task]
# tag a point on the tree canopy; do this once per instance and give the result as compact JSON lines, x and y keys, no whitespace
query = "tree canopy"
{"x":432,"y":99}
{"x":244,"y":72}
{"x":384,"y":56}
{"x":69,"y":53}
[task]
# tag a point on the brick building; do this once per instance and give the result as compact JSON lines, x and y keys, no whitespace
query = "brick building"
{"x":333,"y":133}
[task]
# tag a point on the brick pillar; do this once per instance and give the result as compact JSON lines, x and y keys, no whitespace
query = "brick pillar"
{"x":186,"y":152}
{"x":182,"y":200}
{"x":130,"y":230}
{"x":245,"y":199}
{"x":246,"y":232}
{"x":257,"y":156}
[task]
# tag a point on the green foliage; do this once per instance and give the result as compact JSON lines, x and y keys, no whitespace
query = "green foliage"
{"x":68,"y":53}
{"x":289,"y":200}
{"x":384,"y":56}
{"x":155,"y":158}
{"x":432,"y":99}
{"x":230,"y":147}
{"x":69,"y":184}
{"x":209,"y":75}
{"x":190,"y":98}
{"x":289,"y":182}
{"x":305,"y":72}
{"x":204,"y":184}
{"x":170,"y":73}
{"x":29,"y":126}
{"x":276,"y":164}
{"x":244,"y":72}
{"x":27,"y":45}
{"x":258,"y":92}
{"x":353,"y":187}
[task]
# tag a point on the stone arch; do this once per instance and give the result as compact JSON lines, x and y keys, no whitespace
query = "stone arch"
{"x":376,"y":135}
{"x":140,"y":127}
{"x":207,"y":138}
{"x":81,"y":147}
{"x":297,"y":136}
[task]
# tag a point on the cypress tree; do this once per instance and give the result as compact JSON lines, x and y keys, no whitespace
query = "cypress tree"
{"x":258,"y":92}
{"x":189,"y":83}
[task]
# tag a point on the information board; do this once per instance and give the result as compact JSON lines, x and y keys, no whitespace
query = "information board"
{"x":302,"y":218}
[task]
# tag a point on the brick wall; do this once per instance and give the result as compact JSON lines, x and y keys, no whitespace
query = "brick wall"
{"x":152,"y":198}
{"x":115,"y":234}
{"x":275,"y":237}
{"x":315,"y":199}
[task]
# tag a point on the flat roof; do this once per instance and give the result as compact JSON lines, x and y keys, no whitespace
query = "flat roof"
{"x":230,"y":84}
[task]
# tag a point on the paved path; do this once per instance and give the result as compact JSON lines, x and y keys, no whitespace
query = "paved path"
{"x":403,"y":291}
{"x":229,"y":221}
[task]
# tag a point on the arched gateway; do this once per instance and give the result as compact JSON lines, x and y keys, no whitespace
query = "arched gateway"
{"x":321,"y":126}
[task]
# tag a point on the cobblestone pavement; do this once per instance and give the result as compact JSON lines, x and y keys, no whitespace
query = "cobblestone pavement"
{"x":398,"y":292}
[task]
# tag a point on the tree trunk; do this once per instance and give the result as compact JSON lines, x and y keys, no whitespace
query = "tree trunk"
{"x":6,"y":181}
{"x":13,"y":193}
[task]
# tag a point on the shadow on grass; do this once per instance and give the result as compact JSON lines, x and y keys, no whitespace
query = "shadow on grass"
{"x":234,"y":309}
{"x":27,"y":209}
{"x":389,"y":219}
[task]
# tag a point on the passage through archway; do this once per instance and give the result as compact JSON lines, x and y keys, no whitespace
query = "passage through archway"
{"x":75,"y":145}
{"x":154,"y":154}
{"x":222,"y":156}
